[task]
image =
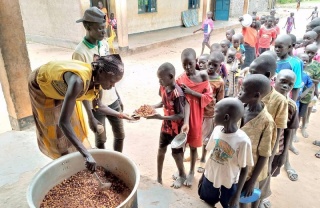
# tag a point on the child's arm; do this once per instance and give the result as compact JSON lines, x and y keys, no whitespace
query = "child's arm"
{"x":158,"y":105}
{"x":185,"y":127}
{"x":234,"y":201}
{"x":110,"y":112}
{"x":189,"y":91}
{"x":294,"y":24}
{"x":288,"y":134}
{"x":198,"y":30}
{"x":249,"y":185}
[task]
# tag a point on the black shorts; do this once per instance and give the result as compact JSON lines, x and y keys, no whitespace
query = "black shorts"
{"x":303,"y":108}
{"x":275,"y":169}
{"x":165,"y":140}
{"x":213,"y":195}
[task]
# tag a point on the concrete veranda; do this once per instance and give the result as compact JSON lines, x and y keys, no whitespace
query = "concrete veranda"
{"x":20,"y":157}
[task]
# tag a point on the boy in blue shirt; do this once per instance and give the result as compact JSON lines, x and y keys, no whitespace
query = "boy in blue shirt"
{"x":282,"y":48}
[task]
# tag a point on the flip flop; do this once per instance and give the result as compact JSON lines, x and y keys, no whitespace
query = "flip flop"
{"x":201,"y":167}
{"x":316,"y":142}
{"x":317,"y":155}
{"x":292,"y":175}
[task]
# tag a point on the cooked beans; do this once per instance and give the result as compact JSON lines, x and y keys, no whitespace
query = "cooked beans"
{"x":81,"y":191}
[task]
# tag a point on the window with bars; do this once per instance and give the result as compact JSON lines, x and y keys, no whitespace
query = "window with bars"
{"x":147,"y":6}
{"x":194,"y":4}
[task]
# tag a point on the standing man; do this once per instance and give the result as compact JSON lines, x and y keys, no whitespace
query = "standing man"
{"x":94,"y":21}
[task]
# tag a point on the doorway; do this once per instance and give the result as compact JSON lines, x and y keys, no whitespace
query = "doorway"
{"x":221,"y":9}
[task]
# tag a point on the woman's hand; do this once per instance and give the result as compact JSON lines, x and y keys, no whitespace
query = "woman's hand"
{"x":127,"y":117}
{"x":93,"y":124}
{"x":90,"y":163}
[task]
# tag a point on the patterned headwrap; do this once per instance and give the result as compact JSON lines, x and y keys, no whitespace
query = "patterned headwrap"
{"x":112,"y":64}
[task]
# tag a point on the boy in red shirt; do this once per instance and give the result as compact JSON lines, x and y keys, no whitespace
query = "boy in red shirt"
{"x":250,"y":41}
{"x":267,"y":35}
{"x":173,"y":103}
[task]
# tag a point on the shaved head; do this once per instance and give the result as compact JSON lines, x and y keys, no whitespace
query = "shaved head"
{"x":167,"y":68}
{"x":265,"y":65}
{"x":228,"y":108}
{"x":256,"y":83}
{"x":311,"y":34}
{"x":188,"y":52}
{"x":284,"y":39}
{"x":312,"y":47}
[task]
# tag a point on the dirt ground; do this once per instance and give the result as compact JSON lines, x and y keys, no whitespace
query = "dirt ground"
{"x":140,"y":86}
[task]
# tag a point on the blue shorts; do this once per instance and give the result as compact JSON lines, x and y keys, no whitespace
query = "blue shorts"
{"x":213,"y":195}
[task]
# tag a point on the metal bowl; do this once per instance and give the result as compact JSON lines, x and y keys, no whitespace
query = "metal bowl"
{"x":68,"y":165}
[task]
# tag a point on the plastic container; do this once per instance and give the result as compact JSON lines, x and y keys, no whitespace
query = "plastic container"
{"x":254,"y":197}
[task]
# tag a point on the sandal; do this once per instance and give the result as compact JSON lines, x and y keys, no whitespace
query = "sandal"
{"x":317,"y":154}
{"x":316,"y":142}
{"x":292,"y":174}
{"x":201,"y":167}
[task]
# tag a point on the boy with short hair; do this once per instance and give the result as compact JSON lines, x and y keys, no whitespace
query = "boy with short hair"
{"x":202,"y":62}
{"x":229,"y":34}
{"x":313,"y":70}
{"x":258,"y":124}
{"x":284,"y":84}
{"x":277,"y":106}
{"x":173,"y":102}
{"x":207,"y":28}
{"x":198,"y":93}
{"x":306,"y":95}
{"x":225,"y":45}
{"x":266,"y":36}
{"x":230,"y":157}
{"x":94,"y":21}
{"x":217,"y":85}
{"x":282,"y":47}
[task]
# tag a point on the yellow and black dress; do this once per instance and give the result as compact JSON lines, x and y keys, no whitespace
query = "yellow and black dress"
{"x":47,"y":90}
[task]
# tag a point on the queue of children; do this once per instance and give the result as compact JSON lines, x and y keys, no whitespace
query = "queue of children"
{"x":243,"y":111}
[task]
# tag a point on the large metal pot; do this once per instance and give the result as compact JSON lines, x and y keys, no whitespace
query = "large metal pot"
{"x":68,"y":165}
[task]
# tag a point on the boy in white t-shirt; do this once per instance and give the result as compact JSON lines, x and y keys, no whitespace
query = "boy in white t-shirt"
{"x":231,"y":155}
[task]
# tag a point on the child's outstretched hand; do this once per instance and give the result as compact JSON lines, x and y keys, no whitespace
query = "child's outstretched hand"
{"x":155,"y":116}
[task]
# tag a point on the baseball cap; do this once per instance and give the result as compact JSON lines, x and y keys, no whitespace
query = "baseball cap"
{"x":93,"y":14}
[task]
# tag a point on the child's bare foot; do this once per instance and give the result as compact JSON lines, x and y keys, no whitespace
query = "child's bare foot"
{"x":201,"y":167}
{"x":304,"y":133}
{"x":175,"y":175}
{"x":294,"y":150}
{"x":189,"y":181}
{"x":177,"y":183}
{"x":295,"y":138}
